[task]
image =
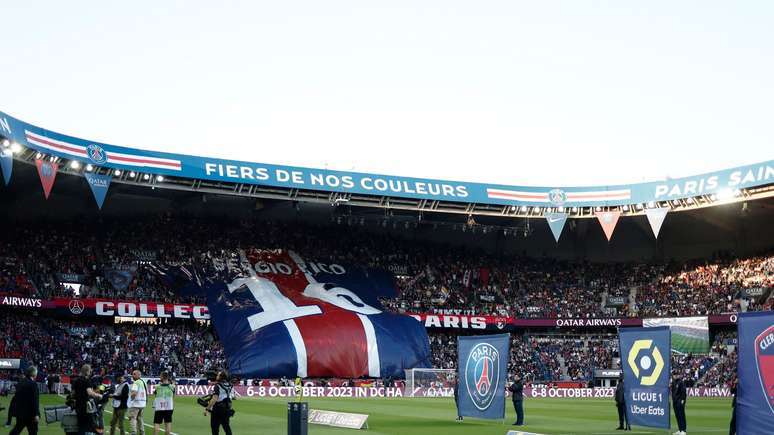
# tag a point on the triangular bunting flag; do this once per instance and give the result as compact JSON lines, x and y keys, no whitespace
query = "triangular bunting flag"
{"x":608,"y":220}
{"x":6,"y":163}
{"x":556,"y":222}
{"x":47,"y":173}
{"x":656,"y":217}
{"x":99,"y":186}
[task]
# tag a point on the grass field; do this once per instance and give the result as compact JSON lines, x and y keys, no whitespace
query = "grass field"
{"x":687,"y":344}
{"x":428,"y":417}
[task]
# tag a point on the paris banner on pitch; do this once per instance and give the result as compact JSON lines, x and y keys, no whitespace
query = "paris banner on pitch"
{"x":646,"y":363}
{"x":755,"y":393}
{"x":482,"y":370}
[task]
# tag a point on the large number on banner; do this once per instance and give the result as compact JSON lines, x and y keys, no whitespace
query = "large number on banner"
{"x":276,"y":307}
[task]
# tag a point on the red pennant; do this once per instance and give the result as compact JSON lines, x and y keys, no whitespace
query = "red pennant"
{"x":608,"y":220}
{"x":47,"y":173}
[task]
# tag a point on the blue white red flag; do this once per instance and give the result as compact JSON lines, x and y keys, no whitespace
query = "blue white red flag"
{"x":275,"y":319}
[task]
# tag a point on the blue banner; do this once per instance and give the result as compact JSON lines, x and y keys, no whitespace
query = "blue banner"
{"x":99,"y":186}
{"x":556,"y":222}
{"x":646,"y":363}
{"x":6,"y":163}
{"x":120,"y":278}
{"x":482,"y":369}
{"x":755,"y":369}
{"x":275,"y":319}
{"x":719,"y":182}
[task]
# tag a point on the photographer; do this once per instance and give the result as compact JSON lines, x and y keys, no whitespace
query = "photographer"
{"x":85,"y":397}
{"x":163,"y":404}
{"x":120,"y":397}
{"x":138,"y":394}
{"x":220,"y":405}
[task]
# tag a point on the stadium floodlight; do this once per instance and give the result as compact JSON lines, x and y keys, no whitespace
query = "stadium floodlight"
{"x":640,"y":206}
{"x":6,"y":143}
{"x":132,"y":174}
{"x":117,"y":173}
{"x":651,"y":204}
{"x":536,"y":210}
{"x":599,"y":208}
{"x":38,"y":155}
{"x":146,"y":177}
{"x":16,"y":148}
{"x":725,"y":194}
{"x":75,"y":164}
{"x":625,"y":208}
{"x":159,"y":178}
{"x":523,"y":208}
{"x":689,"y":200}
{"x":561,"y":209}
{"x":575,"y":209}
{"x":676,"y":202}
{"x":89,"y":167}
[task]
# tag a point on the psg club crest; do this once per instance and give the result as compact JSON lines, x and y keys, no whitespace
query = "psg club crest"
{"x":481,"y":374}
{"x":96,"y":154}
{"x":764,"y":358}
{"x":557,"y":197}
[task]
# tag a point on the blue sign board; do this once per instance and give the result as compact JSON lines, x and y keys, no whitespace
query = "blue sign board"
{"x":205,"y":168}
{"x":482,"y":371}
{"x":755,"y":368}
{"x":646,"y":363}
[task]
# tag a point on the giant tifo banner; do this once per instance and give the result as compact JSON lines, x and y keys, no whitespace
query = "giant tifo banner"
{"x":204,"y":168}
{"x":482,"y":368}
{"x":646,"y":363}
{"x":278,"y":315}
{"x":755,"y":368}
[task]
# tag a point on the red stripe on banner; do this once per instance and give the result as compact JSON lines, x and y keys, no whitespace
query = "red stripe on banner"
{"x":56,"y":145}
{"x":335,"y":343}
{"x":112,"y":156}
{"x":335,"y":340}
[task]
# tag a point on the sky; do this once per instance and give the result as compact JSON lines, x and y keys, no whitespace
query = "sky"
{"x":552,"y":93}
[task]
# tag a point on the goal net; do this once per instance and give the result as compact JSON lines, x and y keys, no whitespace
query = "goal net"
{"x":429,"y":378}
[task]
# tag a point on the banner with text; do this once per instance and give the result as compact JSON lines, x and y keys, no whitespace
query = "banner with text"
{"x":755,"y":394}
{"x":482,"y":372}
{"x":646,"y":362}
{"x":285,"y":176}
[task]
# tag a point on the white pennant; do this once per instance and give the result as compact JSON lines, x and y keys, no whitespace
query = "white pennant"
{"x":656,"y":218}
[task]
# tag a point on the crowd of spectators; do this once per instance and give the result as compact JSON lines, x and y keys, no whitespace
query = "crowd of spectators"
{"x":61,"y":347}
{"x":431,"y":278}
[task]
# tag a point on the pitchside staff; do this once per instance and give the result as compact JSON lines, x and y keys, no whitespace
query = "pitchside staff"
{"x":620,"y":403}
{"x":120,"y":397}
{"x":517,"y":395}
{"x":163,"y":404}
{"x":27,"y":404}
{"x":679,"y":395}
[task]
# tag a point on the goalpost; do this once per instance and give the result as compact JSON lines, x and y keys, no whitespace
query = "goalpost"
{"x":429,"y":378}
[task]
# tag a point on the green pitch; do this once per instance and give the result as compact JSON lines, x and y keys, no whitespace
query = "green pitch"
{"x":428,"y":417}
{"x":687,"y":344}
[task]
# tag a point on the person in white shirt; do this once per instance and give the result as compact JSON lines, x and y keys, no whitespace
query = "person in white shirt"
{"x":138,"y":395}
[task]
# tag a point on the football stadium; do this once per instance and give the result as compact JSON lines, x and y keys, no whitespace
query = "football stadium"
{"x":277,"y":287}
